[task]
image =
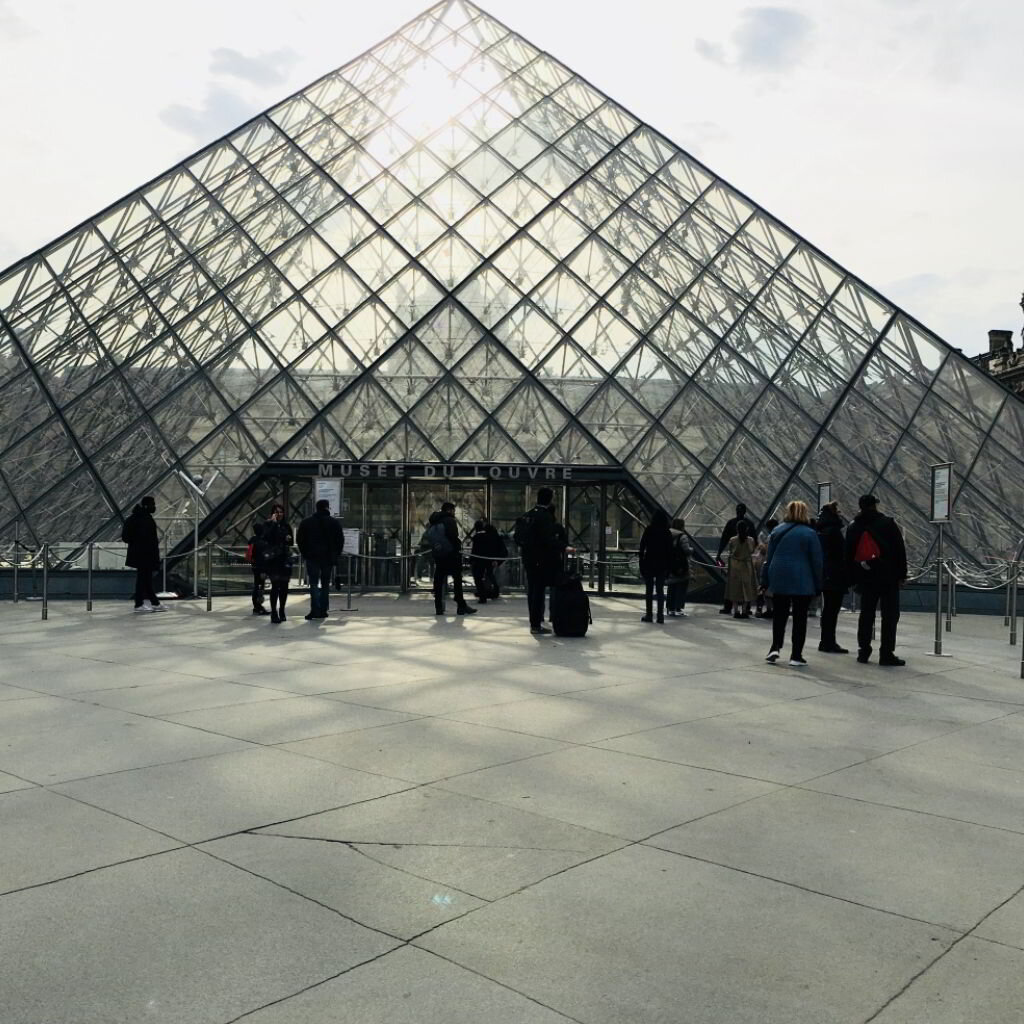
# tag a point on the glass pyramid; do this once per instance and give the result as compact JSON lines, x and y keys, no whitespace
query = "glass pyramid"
{"x":455,"y":249}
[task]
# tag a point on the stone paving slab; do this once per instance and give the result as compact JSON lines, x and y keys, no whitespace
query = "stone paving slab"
{"x":477,"y":846}
{"x":918,"y":865}
{"x":646,"y":934}
{"x":213,"y":796}
{"x":180,"y":938}
{"x":408,"y":986}
{"x":499,"y":817}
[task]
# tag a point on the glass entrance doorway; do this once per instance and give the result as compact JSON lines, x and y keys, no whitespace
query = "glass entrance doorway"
{"x":604,"y":520}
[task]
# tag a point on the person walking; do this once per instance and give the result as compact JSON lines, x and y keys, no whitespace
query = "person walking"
{"x":728,"y":532}
{"x":487,"y":550}
{"x":655,"y":558}
{"x":678,"y":580}
{"x":321,"y":542}
{"x":764,"y":596}
{"x":792,"y":570}
{"x":740,"y":583}
{"x":259,"y":576}
{"x":276,"y":559}
{"x":876,"y":562}
{"x":830,"y":526}
{"x":541,"y":544}
{"x":443,"y":537}
{"x":143,"y":554}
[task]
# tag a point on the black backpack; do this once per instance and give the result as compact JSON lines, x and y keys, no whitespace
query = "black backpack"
{"x":570,"y":608}
{"x":679,"y":559}
{"x":436,"y":541}
{"x":524,"y":530}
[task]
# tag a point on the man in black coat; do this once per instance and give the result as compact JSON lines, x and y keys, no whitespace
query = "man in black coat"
{"x":878,"y":577}
{"x":448,"y":562}
{"x":728,"y":532}
{"x":321,"y":542}
{"x":143,"y":554}
{"x":542,"y":555}
{"x":830,"y":525}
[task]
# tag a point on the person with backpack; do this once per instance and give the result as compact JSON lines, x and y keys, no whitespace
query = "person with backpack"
{"x":678,"y":580}
{"x":143,"y":554}
{"x":487,"y":550}
{"x":259,"y":577}
{"x":442,"y":542}
{"x":740,"y":583}
{"x":830,"y":526}
{"x":876,"y":562}
{"x":321,"y":542}
{"x":792,"y":570}
{"x":275,"y":559}
{"x":728,"y":532}
{"x":655,"y":556}
{"x":541,"y":546}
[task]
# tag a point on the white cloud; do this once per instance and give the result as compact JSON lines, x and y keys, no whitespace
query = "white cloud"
{"x":767,"y":39}
{"x":263,"y":69}
{"x":221,"y":111}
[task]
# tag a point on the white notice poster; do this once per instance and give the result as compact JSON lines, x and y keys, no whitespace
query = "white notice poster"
{"x":824,"y":494}
{"x":326,"y":489}
{"x":351,"y":542}
{"x":942,"y":491}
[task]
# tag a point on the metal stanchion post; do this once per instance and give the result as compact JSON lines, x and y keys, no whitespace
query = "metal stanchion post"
{"x":164,"y":564}
{"x":950,"y":590}
{"x":1013,"y":604}
{"x":1006,"y":614}
{"x":937,"y":650}
{"x":88,"y":577}
{"x":348,"y":598}
{"x":953,"y":592}
{"x":46,"y":581}
{"x":16,"y":557}
{"x":209,"y":576}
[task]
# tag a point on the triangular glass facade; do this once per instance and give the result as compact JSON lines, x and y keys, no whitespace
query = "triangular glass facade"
{"x":455,"y":249}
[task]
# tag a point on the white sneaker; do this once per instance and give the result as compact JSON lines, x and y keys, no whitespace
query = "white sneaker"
{"x":798,"y":662}
{"x":147,"y":606}
{"x":682,"y":615}
{"x":142,"y":608}
{"x":773,"y":656}
{"x":158,"y":608}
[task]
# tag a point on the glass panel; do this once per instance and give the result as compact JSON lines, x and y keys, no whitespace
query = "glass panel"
{"x":731,"y":381}
{"x":384,"y":197}
{"x":605,"y":336}
{"x":410,"y":295}
{"x":370,"y":332}
{"x":345,"y":228}
{"x":615,"y":420}
{"x":664,"y":470}
{"x":761,"y":342}
{"x":563,"y":298}
{"x":999,"y":475}
{"x":630,"y":235}
{"x":748,"y":470}
{"x":407,"y":371}
{"x":70,"y":512}
{"x":450,"y":260}
{"x":524,"y":263}
{"x":589,"y":201}
{"x":698,"y":424}
{"x":698,"y":236}
{"x":353,"y":169}
{"x":362,"y":417}
{"x":101,"y":413}
{"x":574,"y":448}
{"x":946,"y":433}
{"x":319,"y":444}
{"x":830,"y":461}
{"x":808,"y":384}
{"x":451,"y":199}
{"x":489,"y":444}
{"x":638,"y":298}
{"x":207,"y":332}
{"x":552,"y":172}
{"x":291,"y":330}
{"x":558,"y":232}
{"x":670,"y":267}
{"x":570,"y":375}
{"x":276,"y":414}
{"x":273,"y":224}
{"x":520,"y":200}
{"x":787,"y":307}
{"x":448,"y":333}
{"x":865,"y":431}
{"x":35,"y":464}
{"x":22,"y":407}
{"x":417,"y":170}
{"x":531,"y":418}
{"x":527,"y":333}
{"x":660,"y":206}
{"x":889,"y":389}
{"x":860,"y":309}
{"x":485,"y":171}
{"x":324,"y":371}
{"x":158,"y":370}
{"x":486,"y":229}
{"x":131,"y":462}
{"x":488,"y":374}
{"x":377,"y":260}
{"x":782,"y":426}
{"x":488,"y":296}
{"x":834,"y":345}
{"x":335,"y":295}
{"x":230,"y":256}
{"x":597,"y":266}
{"x":969,"y":391}
{"x":243,"y":370}
{"x":683,"y":340}
{"x":415,"y":228}
{"x":447,"y":416}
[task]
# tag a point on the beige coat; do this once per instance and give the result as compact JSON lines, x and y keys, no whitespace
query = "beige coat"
{"x":741,"y":584}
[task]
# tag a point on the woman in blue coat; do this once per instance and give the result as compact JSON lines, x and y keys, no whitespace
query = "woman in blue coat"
{"x":792,"y":570}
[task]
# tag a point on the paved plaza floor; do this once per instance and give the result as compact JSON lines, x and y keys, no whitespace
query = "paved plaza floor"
{"x":390,"y":818}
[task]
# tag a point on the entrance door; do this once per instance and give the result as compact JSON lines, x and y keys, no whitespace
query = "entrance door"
{"x":426,"y":497}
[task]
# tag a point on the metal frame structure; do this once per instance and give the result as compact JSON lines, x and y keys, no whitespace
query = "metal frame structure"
{"x":455,"y":249}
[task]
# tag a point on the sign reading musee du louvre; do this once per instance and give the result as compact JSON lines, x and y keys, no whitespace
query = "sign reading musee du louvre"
{"x":450,"y":470}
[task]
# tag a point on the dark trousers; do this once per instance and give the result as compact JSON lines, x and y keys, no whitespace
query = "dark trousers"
{"x":279,"y":592}
{"x":319,"y":586}
{"x":443,"y":568}
{"x":831,"y":602}
{"x":144,"y":587}
{"x":259,"y":579}
{"x":784,"y":603}
{"x":536,"y":593}
{"x":887,"y":600}
{"x":655,"y":585}
{"x":677,"y":595}
{"x":483,"y":571}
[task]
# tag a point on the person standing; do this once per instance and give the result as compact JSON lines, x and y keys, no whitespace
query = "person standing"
{"x":876,"y":562}
{"x":259,"y":576}
{"x":764,"y":596}
{"x":443,"y":536}
{"x":276,"y":560}
{"x":655,"y":557}
{"x":740,"y":583}
{"x":830,"y":526}
{"x":321,"y":542}
{"x":541,"y":544}
{"x":728,"y":532}
{"x":487,"y":550}
{"x":792,"y":570}
{"x":678,"y":580}
{"x":143,"y":554}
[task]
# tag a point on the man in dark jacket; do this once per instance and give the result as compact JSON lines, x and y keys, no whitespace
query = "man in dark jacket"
{"x":876,"y":562}
{"x":448,"y":560}
{"x":542,"y":550}
{"x":728,"y":532}
{"x":830,"y":526}
{"x":143,"y":554}
{"x":488,"y":551}
{"x":321,"y":542}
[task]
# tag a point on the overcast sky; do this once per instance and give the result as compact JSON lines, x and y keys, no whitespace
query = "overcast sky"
{"x":887,"y":132}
